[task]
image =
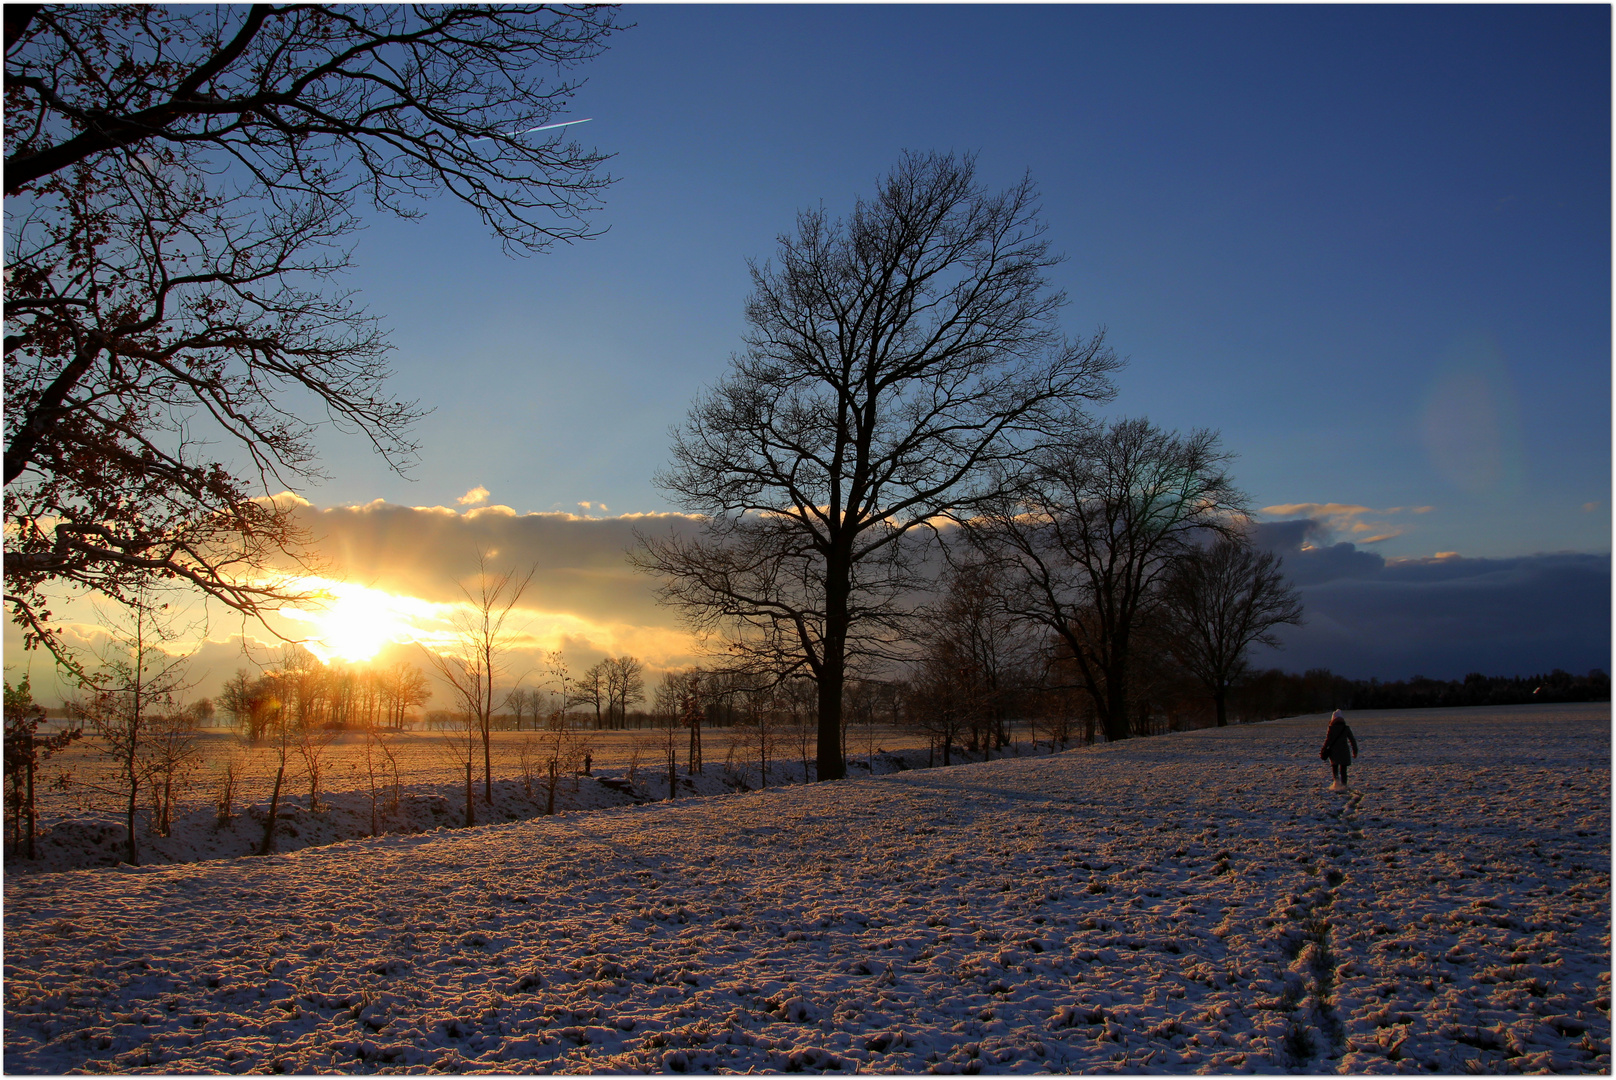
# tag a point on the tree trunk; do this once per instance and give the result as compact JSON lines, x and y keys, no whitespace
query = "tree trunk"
{"x":1115,"y":718}
{"x":471,"y":799}
{"x":488,"y":765}
{"x":274,"y":808}
{"x":1220,"y":699}
{"x":28,"y":751}
{"x":131,"y":848}
{"x":831,"y":762}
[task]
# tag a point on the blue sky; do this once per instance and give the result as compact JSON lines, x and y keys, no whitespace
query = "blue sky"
{"x":1369,"y":245}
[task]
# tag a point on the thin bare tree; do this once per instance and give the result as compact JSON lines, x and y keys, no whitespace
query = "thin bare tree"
{"x":625,"y":684}
{"x":172,"y":754}
{"x":593,"y":688}
{"x":402,"y":686}
{"x":475,"y":661}
{"x":138,"y":680}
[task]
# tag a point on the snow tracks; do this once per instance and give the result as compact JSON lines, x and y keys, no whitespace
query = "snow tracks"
{"x":1194,"y":902}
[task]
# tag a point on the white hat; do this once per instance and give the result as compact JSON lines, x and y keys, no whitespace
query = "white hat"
{"x":1337,"y":715}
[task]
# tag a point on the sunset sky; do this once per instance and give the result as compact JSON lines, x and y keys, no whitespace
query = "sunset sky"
{"x":1370,"y":245}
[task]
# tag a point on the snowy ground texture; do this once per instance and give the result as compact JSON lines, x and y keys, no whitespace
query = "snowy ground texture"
{"x":82,"y":824}
{"x":1192,"y":902}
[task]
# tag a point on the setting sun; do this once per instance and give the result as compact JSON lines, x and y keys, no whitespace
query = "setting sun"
{"x":357,"y":623}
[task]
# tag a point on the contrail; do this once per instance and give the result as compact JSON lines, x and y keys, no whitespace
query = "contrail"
{"x":545,"y":127}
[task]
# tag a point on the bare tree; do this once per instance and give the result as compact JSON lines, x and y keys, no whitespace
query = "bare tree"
{"x":1085,"y":537}
{"x":797,"y":699}
{"x":981,"y":651}
{"x":172,"y":755}
{"x":670,"y":752}
{"x":313,"y":744}
{"x":226,"y":781}
{"x":555,"y":665}
{"x":289,"y":696}
{"x":181,"y":182}
{"x":1221,"y":600}
{"x":892,"y":361}
{"x":459,"y":739}
{"x":523,"y":703}
{"x":593,"y":688}
{"x":939,"y":702}
{"x":559,"y":750}
{"x":475,"y":661}
{"x":403,"y":686}
{"x":625,"y":684}
{"x":691,"y":715}
{"x":138,"y":681}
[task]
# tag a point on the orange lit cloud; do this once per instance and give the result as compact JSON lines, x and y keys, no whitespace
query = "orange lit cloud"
{"x":397,"y":574}
{"x":478,"y":494}
{"x":1363,"y":524}
{"x":392,"y":576}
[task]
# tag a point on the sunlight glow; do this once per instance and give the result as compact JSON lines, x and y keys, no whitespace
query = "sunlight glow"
{"x":357,"y":623}
{"x":354,"y":624}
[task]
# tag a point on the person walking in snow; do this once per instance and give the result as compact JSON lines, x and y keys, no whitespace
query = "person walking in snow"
{"x":1340,"y":747}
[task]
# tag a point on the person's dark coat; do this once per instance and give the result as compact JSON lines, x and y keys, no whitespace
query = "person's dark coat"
{"x":1336,"y":743}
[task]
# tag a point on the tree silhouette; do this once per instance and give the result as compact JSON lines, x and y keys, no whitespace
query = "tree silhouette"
{"x":892,"y":360}
{"x":1219,"y":602}
{"x":474,"y":661}
{"x":1085,"y":536}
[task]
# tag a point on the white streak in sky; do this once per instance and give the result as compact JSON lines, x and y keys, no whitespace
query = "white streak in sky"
{"x":545,"y":127}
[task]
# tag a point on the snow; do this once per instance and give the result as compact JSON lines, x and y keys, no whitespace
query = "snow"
{"x":1191,"y":902}
{"x":82,"y":822}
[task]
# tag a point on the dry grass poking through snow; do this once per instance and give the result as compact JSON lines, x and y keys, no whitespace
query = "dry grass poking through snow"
{"x":1194,"y":902}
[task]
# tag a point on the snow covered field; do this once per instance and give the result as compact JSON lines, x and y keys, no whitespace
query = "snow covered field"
{"x":82,"y":823}
{"x":1192,"y":902}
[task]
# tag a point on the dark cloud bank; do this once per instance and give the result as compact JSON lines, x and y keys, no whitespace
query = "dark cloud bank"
{"x":1366,"y":617}
{"x":1439,"y":617}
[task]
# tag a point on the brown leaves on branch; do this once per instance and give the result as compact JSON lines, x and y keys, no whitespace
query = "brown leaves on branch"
{"x":181,"y":183}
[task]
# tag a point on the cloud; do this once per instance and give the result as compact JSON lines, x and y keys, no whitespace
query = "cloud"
{"x":478,"y":494}
{"x":1330,"y":518}
{"x":584,"y":598}
{"x":586,"y":505}
{"x":428,"y":552}
{"x":1441,"y":616}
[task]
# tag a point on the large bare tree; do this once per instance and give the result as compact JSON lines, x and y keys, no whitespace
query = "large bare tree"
{"x":181,"y":182}
{"x":893,"y":360}
{"x":1218,"y":602}
{"x":1086,"y":535}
